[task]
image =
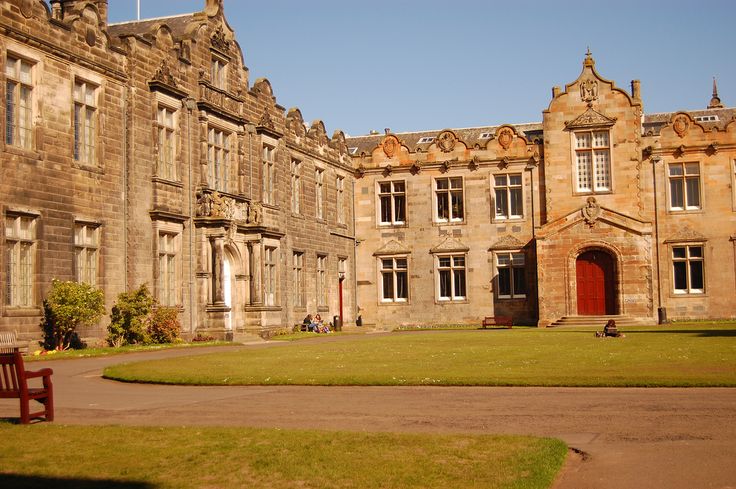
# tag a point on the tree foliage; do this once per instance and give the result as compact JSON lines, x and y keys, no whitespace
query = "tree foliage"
{"x":68,"y":306}
{"x":136,"y":318}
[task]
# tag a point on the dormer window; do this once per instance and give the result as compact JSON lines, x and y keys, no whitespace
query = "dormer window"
{"x":426,"y":140}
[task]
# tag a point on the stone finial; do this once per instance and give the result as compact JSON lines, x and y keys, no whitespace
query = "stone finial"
{"x":715,"y":102}
{"x":588,"y":61}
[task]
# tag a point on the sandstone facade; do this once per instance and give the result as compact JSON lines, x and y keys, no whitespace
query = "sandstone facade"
{"x":141,"y":153}
{"x":599,"y":210}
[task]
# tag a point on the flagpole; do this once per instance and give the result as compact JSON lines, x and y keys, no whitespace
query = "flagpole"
{"x":139,"y":9}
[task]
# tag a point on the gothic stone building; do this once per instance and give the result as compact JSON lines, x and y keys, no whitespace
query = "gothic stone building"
{"x":140,"y":153}
{"x":599,"y":210}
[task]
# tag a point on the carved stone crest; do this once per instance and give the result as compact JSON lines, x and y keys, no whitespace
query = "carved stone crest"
{"x":26,"y":8}
{"x":266,"y":121}
{"x":219,"y":41}
{"x":360,"y":171}
{"x":390,"y":146}
{"x":591,"y":211}
{"x":505,"y":137}
{"x":589,"y":90}
{"x":446,"y":141}
{"x":681,"y":124}
{"x":163,"y":74}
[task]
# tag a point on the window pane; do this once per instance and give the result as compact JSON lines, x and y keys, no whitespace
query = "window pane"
{"x":442,"y":183}
{"x":386,"y":264}
{"x":459,"y":283}
{"x":385,"y":188}
{"x":693,"y":192}
{"x":501,"y":203}
{"x":695,"y":251}
{"x":399,"y":186}
{"x":399,"y":208}
{"x":445,"y":286}
{"x":519,"y":281}
{"x":692,"y":169}
{"x":600,"y":139}
{"x":680,"y":275}
{"x":402,"y":285}
{"x":388,"y":285}
{"x":696,"y":275}
{"x":443,"y":206}
{"x":459,"y":261}
{"x":456,"y":182}
{"x":504,"y":281}
{"x":582,"y":140}
{"x":444,"y":261}
{"x":516,"y":205}
{"x":514,"y":179}
{"x":676,"y":194}
{"x":678,"y":252}
{"x":386,"y":208}
{"x":401,"y":263}
{"x":500,"y":180}
{"x":457,"y":205}
{"x":675,"y":169}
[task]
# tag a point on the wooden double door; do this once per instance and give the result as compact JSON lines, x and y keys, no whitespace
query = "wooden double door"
{"x":596,"y":283}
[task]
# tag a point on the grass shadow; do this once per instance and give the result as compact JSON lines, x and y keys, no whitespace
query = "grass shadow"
{"x":38,"y":482}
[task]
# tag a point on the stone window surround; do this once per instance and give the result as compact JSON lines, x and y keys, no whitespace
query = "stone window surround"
{"x":321,"y":269}
{"x":392,"y":203}
{"x":174,"y":230}
{"x":298,"y":278}
{"x":394,"y":271}
{"x":688,"y":259}
{"x":319,"y":192}
{"x":92,"y":78}
{"x":509,"y":188}
{"x":83,"y":249}
{"x":31,"y":308}
{"x":21,"y":51}
{"x":269,"y":170}
{"x":668,"y":188}
{"x":454,"y":297}
{"x":511,"y":266}
{"x":163,"y":101}
{"x":435,"y":201}
{"x":573,"y":158}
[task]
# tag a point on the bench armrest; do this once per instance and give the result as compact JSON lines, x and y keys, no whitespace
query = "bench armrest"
{"x":44,"y":372}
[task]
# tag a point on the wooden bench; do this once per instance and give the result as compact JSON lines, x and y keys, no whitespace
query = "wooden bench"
{"x":9,"y":342}
{"x":505,"y":321}
{"x":14,"y":384}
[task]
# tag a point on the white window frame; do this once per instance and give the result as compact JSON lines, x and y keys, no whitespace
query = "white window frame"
{"x":393,"y":269}
{"x":456,"y":267}
{"x":85,"y":121}
{"x":19,"y":102}
{"x":296,"y":186}
{"x":270,"y":275}
{"x":450,"y":194}
{"x":391,"y":202}
{"x":319,"y":177}
{"x":298,"y":278}
{"x":504,"y":191}
{"x":691,"y":259}
{"x":593,"y":161}
{"x":268,"y":172}
{"x":321,"y":280}
{"x":510,"y":262}
{"x":340,"y":198}
{"x":166,"y":142}
{"x":86,"y":252}
{"x":218,"y":158}
{"x":679,"y":184}
{"x":20,"y":260}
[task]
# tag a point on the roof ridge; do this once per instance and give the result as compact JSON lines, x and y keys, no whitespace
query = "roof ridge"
{"x":139,"y":21}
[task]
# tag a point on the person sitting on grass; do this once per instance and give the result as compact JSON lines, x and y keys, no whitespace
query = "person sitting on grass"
{"x":316,"y":324}
{"x":609,"y":329}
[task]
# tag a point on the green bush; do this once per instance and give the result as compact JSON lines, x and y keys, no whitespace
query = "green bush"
{"x":68,"y":306}
{"x":128,"y":319}
{"x":164,"y":325}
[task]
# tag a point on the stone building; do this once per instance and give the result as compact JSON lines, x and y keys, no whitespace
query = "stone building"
{"x":599,"y":210}
{"x":141,"y":153}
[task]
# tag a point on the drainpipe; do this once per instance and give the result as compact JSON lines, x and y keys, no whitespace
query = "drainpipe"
{"x":190,"y":105}
{"x":126,"y":157}
{"x":661,"y":311}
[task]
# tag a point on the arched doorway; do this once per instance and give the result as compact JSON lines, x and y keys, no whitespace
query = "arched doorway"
{"x":595,"y":283}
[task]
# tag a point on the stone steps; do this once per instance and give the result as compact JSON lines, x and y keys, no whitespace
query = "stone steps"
{"x":600,"y":321}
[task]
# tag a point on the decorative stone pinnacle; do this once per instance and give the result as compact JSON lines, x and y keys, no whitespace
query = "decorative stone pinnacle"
{"x":589,"y":61}
{"x":715,"y":102}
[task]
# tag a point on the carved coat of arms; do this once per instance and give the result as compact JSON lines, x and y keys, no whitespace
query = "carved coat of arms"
{"x":591,"y":211}
{"x":505,"y":137}
{"x":589,"y":90}
{"x":390,"y":146}
{"x":681,"y":124}
{"x":446,"y":141}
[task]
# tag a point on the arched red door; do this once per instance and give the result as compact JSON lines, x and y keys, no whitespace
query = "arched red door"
{"x":595,"y":283}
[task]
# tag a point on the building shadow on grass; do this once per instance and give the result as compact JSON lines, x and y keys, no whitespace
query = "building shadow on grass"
{"x":708,"y":333}
{"x":37,"y":482}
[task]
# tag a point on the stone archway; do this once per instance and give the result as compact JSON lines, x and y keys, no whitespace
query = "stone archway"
{"x":595,"y":272}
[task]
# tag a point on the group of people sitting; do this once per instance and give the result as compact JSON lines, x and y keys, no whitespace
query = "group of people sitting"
{"x":316,"y":325}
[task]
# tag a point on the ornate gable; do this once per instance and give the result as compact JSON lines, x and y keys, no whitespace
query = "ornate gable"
{"x":449,"y":245}
{"x":686,"y":234}
{"x":590,"y":118}
{"x":393,"y":247}
{"x":507,"y":242}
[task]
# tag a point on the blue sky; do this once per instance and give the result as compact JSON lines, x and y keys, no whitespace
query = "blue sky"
{"x":420,"y":65}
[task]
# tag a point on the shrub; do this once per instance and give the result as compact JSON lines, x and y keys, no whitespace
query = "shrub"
{"x":68,"y":306}
{"x":163,"y":325}
{"x":128,"y":319}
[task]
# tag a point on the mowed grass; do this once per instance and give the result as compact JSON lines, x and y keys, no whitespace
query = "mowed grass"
{"x":685,"y":355}
{"x":127,"y":457}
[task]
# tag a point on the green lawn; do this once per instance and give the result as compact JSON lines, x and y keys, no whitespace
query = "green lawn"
{"x":107,"y":351}
{"x":682,"y":355}
{"x":76,"y":457}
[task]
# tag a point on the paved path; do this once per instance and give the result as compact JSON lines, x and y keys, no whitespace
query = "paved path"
{"x":632,"y":438}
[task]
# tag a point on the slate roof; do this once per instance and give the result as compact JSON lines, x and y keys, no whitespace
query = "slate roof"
{"x":178,"y":25}
{"x":651,"y":125}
